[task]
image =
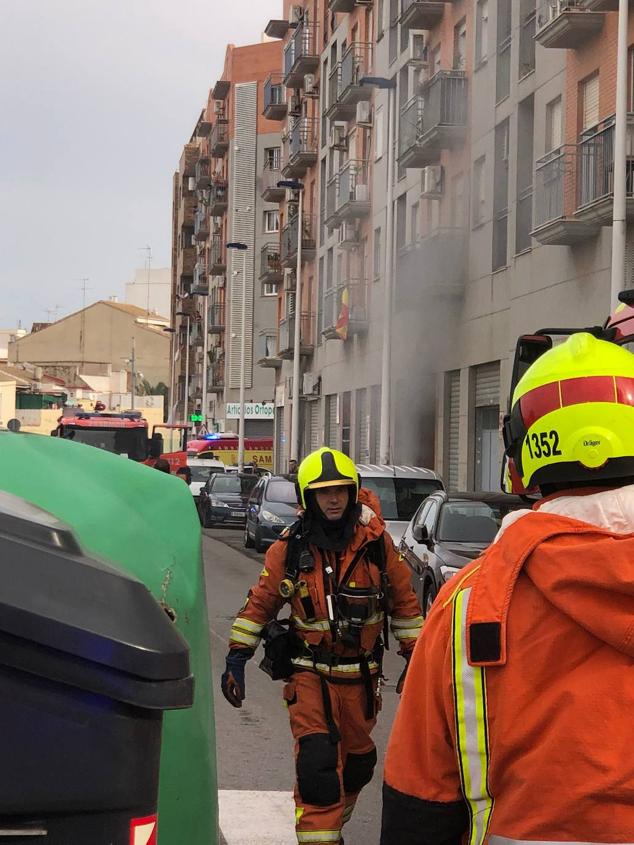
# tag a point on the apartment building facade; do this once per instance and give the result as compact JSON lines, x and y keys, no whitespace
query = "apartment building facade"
{"x":218,"y":201}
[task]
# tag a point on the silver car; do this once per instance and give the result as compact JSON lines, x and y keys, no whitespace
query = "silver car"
{"x":401,"y":490}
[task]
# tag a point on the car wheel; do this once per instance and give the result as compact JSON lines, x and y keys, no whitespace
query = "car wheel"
{"x":257,"y":542}
{"x":428,"y":599}
{"x":207,"y":520}
{"x":248,"y":542}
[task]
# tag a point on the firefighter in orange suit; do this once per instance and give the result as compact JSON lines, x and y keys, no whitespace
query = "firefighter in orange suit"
{"x":515,"y":725}
{"x":340,"y":573}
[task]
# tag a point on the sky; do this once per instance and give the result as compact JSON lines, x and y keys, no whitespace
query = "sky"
{"x":97,"y":98}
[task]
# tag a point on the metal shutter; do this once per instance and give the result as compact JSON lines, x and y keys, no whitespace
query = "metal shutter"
{"x":242,"y":195}
{"x":590,"y":98}
{"x":315,"y":439}
{"x":453,"y":428}
{"x":487,"y":384}
{"x":332,"y":438}
{"x":280,"y":441}
{"x":363,"y":427}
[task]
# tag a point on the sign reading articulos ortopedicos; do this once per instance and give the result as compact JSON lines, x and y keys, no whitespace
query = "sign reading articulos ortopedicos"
{"x":252,"y":411}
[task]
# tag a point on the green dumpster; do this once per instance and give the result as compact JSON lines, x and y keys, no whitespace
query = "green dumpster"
{"x":145,"y":522}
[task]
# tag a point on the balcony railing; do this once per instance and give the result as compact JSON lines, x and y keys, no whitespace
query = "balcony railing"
{"x":289,"y":240}
{"x":267,"y":349}
{"x":203,"y":172}
{"x":348,"y":194}
{"x":270,"y":263}
{"x":421,"y":14}
{"x":219,"y":139}
{"x":200,"y":284}
{"x":188,"y":211}
{"x":217,"y":256}
{"x":345,"y":81}
{"x":216,"y":377}
{"x":191,"y":154}
{"x":201,"y":225}
{"x":566,"y":23}
{"x":434,"y":120}
{"x":216,"y":319}
{"x":302,"y":147}
{"x":301,"y":55}
{"x":433,"y":266}
{"x":595,"y":172}
{"x":555,"y":199}
{"x":345,"y":310}
{"x":218,"y":194}
{"x":275,"y":107}
{"x":271,"y":175}
{"x":286,"y":336}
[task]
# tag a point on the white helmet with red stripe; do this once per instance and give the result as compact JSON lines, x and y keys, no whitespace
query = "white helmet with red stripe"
{"x":572,"y":416}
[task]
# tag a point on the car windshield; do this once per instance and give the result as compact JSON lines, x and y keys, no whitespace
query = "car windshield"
{"x":400,"y":497}
{"x":234,"y":484}
{"x":471,"y":522}
{"x":200,"y":473}
{"x":282,"y":492}
{"x":129,"y":442}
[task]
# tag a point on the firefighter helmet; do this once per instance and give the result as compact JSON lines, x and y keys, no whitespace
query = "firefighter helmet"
{"x":572,"y":416}
{"x":326,"y":468}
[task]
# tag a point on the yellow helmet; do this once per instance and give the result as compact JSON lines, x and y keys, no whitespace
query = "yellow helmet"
{"x":326,"y":468}
{"x":572,"y":416}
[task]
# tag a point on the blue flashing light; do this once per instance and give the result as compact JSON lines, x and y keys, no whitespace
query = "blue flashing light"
{"x":210,"y":437}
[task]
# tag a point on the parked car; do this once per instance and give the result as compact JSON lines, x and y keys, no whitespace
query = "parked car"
{"x":271,"y":508}
{"x":223,"y":499}
{"x":201,"y":469}
{"x":448,"y":531}
{"x":401,"y":490}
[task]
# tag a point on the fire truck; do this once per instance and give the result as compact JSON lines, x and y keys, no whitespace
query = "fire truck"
{"x":126,"y":434}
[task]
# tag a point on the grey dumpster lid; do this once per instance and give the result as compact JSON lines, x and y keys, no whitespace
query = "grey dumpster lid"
{"x":54,"y":595}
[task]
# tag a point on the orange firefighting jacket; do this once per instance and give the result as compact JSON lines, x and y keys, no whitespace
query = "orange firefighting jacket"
{"x":515,"y":723}
{"x":264,"y":601}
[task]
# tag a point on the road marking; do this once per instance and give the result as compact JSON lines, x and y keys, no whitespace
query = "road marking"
{"x":257,"y":818}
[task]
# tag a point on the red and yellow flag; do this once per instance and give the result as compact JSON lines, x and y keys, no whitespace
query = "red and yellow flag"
{"x":343,"y":321}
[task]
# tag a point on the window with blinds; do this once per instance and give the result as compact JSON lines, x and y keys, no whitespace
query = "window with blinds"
{"x":589,"y":102}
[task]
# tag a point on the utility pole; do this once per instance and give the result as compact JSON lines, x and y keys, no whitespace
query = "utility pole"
{"x":205,"y":401}
{"x":148,"y":265}
{"x":242,"y":247}
{"x":619,"y":225}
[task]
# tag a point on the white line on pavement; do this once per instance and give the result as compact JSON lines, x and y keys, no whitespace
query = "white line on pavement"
{"x":257,"y":818}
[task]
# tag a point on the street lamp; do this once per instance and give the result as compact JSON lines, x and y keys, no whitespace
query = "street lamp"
{"x":386,"y":357}
{"x":296,"y":185}
{"x":186,"y":397}
{"x":242,"y":247}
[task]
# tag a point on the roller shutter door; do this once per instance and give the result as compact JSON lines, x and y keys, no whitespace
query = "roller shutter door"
{"x":332,"y":432}
{"x":314,"y":433}
{"x":280,"y":441}
{"x":363,"y":427}
{"x":453,"y":428}
{"x":487,"y":385}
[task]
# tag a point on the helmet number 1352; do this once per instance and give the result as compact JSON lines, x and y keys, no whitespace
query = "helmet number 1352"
{"x":543,"y":445}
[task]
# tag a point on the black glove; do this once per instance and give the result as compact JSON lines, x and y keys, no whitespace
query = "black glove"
{"x":401,"y":681}
{"x":232,"y":682}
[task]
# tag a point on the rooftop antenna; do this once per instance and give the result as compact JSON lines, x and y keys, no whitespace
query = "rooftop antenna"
{"x":84,"y":287}
{"x":148,"y":266}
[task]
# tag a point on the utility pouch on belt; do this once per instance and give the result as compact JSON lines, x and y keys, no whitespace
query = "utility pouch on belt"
{"x":280,"y":646}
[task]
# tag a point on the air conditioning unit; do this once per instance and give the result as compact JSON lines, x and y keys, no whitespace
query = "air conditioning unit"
{"x":219,"y":107}
{"x":432,"y":181}
{"x":348,"y":235}
{"x":311,"y":384}
{"x":364,"y":113}
{"x":194,"y":241}
{"x":191,"y":183}
{"x":361,"y":193}
{"x":338,"y":139}
{"x":311,"y":88}
{"x":295,"y":105}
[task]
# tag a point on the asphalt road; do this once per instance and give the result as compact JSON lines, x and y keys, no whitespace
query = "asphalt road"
{"x":254,"y":743}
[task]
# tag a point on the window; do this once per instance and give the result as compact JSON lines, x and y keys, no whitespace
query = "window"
{"x":269,"y":289}
{"x":460,"y":45}
{"x":554,"y":125}
{"x":482,"y":31}
{"x":527,"y":37}
{"x":479,"y":194}
{"x":503,"y":68}
{"x":500,"y":196}
{"x":272,"y":158}
{"x":346,"y":404}
{"x":376,"y":263}
{"x":271,"y":221}
{"x":378,"y":134}
{"x":414,"y":230}
{"x":524,"y":215}
{"x":589,"y":91}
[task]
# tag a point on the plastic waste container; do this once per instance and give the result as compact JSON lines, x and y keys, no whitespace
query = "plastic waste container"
{"x":89,"y":661}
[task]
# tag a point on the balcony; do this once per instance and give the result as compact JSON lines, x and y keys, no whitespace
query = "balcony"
{"x":435,"y":120}
{"x":219,"y":139}
{"x":345,"y":310}
{"x":301,"y":55}
{"x":203,"y":127}
{"x":434,"y":266}
{"x":188,"y":211}
{"x":270,"y":264}
{"x":191,"y":154}
{"x":566,"y":23}
{"x":267,"y":349}
{"x":217,"y":256}
{"x":201,"y":225}
{"x":555,"y":200}
{"x":270,"y":177}
{"x":286,"y":336}
{"x":203,"y":173}
{"x":218,"y":198}
{"x":420,"y":14}
{"x":216,"y":377}
{"x":216,"y":318}
{"x":275,"y":107}
{"x":595,"y":174}
{"x":200,"y":284}
{"x":345,"y":89}
{"x":276,"y":28}
{"x":341,"y":6}
{"x":289,"y":241}
{"x":302,"y":147}
{"x":348,"y":194}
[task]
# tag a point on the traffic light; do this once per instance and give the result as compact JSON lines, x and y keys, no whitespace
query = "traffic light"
{"x":197,"y":416}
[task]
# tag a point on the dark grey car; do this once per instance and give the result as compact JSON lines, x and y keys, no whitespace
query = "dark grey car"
{"x":271,"y":508}
{"x":223,"y":499}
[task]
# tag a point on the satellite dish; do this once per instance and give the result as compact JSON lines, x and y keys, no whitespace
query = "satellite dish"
{"x":14,"y":425}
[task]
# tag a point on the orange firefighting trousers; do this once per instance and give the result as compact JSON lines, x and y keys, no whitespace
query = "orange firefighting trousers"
{"x":330,"y":775}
